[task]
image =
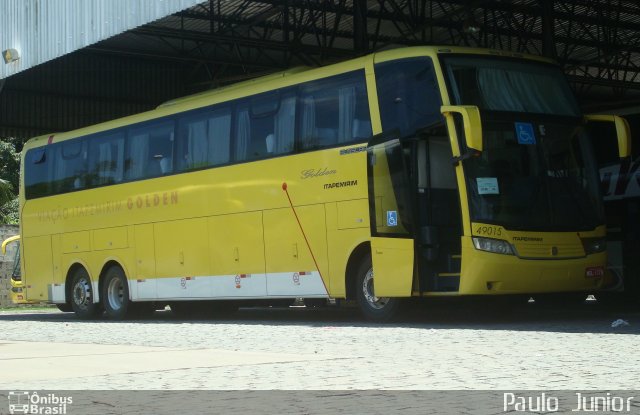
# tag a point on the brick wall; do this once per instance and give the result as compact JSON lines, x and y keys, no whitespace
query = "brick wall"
{"x":6,"y":264}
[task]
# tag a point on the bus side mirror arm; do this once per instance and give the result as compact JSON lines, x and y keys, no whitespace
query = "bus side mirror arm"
{"x":472,"y":124}
{"x":7,"y":242}
{"x":623,"y":132}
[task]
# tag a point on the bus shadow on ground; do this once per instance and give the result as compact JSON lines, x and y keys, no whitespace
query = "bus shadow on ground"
{"x":589,"y":317}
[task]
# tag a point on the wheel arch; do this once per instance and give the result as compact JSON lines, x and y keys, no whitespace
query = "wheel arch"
{"x":356,"y":257}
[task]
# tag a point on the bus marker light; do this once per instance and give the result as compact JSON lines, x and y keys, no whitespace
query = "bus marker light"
{"x":594,"y":272}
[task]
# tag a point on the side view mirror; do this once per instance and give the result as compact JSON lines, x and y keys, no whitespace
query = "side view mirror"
{"x":471,"y":122}
{"x":623,"y":132}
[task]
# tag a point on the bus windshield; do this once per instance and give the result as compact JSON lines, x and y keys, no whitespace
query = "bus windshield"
{"x":497,"y":84}
{"x":537,"y":170}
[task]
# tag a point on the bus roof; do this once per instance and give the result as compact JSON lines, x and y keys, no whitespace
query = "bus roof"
{"x":266,"y":83}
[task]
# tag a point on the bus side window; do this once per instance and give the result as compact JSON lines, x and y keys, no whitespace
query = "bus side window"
{"x":334,"y":111}
{"x":203,"y":139}
{"x":36,"y":170}
{"x":408,"y":94}
{"x":265,"y":125}
{"x":150,"y":151}
{"x":70,"y":166}
{"x":106,"y":159}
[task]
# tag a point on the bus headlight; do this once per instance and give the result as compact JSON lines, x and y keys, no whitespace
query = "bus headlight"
{"x":594,"y":245}
{"x":496,"y":246}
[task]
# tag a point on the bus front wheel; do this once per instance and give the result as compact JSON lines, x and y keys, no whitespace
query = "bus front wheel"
{"x":65,"y":308}
{"x":82,"y":295}
{"x":115,"y":294}
{"x":373,"y":308}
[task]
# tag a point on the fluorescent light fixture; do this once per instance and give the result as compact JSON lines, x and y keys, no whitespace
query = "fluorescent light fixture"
{"x":10,"y":55}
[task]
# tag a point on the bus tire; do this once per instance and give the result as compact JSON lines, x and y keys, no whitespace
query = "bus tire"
{"x":115,"y":294}
{"x":379,"y":309}
{"x":82,"y":296}
{"x":65,"y":308}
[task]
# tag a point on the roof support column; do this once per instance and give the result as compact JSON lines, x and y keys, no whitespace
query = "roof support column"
{"x":548,"y":29}
{"x":360,"y":40}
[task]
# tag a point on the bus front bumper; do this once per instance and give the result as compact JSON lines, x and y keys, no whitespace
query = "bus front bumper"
{"x":18,"y":293}
{"x":485,"y":273}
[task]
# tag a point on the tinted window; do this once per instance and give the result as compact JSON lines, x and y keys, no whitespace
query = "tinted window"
{"x":408,"y":94}
{"x":334,"y":111}
{"x":36,"y":170}
{"x":150,"y":151}
{"x":69,"y":166}
{"x":204,"y":139}
{"x":265,"y":125}
{"x":106,"y":159}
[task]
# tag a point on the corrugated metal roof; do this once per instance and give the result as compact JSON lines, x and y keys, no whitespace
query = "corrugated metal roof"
{"x":42,"y":30}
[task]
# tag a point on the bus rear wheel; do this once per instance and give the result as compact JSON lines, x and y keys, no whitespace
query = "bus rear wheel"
{"x":115,"y":294}
{"x":82,"y":295}
{"x":380,"y":309}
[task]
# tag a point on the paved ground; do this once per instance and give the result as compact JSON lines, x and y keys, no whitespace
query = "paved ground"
{"x":264,"y":349}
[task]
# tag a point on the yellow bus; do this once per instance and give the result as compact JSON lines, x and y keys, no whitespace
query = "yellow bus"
{"x":16,"y":293}
{"x":436,"y":171}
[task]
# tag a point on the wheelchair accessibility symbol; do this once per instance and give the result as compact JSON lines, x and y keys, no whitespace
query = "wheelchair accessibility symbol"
{"x":524,"y":132}
{"x":392,"y":218}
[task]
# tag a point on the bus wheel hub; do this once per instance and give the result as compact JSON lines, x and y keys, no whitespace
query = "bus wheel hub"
{"x":367,"y":289}
{"x":81,"y":293}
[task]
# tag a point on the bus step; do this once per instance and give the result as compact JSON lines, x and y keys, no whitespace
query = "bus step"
{"x":448,"y":281}
{"x":454,"y":264}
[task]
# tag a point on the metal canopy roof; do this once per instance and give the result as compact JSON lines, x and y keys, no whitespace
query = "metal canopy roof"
{"x":223,"y":41}
{"x":597,"y":41}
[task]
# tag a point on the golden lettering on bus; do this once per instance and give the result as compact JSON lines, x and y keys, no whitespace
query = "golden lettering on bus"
{"x":153,"y":200}
{"x":319,"y":172}
{"x":91,"y":209}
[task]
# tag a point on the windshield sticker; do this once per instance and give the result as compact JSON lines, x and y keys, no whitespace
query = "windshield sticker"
{"x":392,"y":218}
{"x":524,"y":131}
{"x":487,"y":186}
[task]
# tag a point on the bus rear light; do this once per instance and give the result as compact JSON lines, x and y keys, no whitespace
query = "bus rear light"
{"x":594,"y":272}
{"x":496,"y":246}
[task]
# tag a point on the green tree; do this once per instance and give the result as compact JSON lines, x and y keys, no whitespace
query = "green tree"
{"x":9,"y":181}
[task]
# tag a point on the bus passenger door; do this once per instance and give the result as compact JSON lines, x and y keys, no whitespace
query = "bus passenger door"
{"x":392,"y":244}
{"x":438,"y":219}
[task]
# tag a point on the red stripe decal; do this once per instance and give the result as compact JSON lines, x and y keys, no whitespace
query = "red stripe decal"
{"x":293,"y":209}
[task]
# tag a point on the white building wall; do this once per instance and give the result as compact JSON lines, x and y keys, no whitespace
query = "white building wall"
{"x":42,"y":30}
